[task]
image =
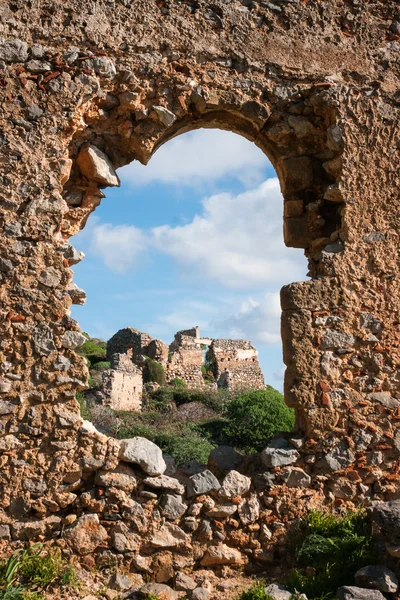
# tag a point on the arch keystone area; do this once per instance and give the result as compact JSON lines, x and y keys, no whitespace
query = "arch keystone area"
{"x":85,"y":91}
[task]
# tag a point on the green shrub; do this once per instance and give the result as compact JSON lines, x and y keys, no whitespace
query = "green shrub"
{"x":31,"y":567}
{"x":178,"y":383}
{"x":153,"y":372}
{"x":86,"y":413}
{"x":257,"y":592}
{"x":94,"y":352}
{"x":336,"y":547}
{"x":103,"y":364}
{"x":208,"y":374}
{"x":255,"y":417}
{"x":184,"y":446}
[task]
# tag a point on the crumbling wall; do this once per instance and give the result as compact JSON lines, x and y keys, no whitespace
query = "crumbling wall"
{"x":122,"y":384}
{"x":235,"y":364}
{"x":315,"y":86}
{"x":129,"y":340}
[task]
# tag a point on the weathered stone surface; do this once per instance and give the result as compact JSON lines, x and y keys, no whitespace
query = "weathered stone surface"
{"x":295,"y":477}
{"x":377,"y":577}
{"x":278,"y":592}
{"x":184,"y":583}
{"x":121,"y":582}
{"x":163,"y":482}
{"x":222,"y":511}
{"x":339,"y":458}
{"x":200,"y":593}
{"x":222,"y":555}
{"x":165,"y":116}
{"x":143,"y":452}
{"x":123,"y":478}
{"x":5,"y":532}
{"x":13,"y":51}
{"x":336,"y":339}
{"x":169,"y":536}
{"x":249,"y":510}
{"x":43,"y":340}
{"x":356,"y":593}
{"x":384,"y":398}
{"x":234,"y":484}
{"x":172,"y":507}
{"x":123,"y":539}
{"x":202,"y":483}
{"x":96,"y":166}
{"x":386,"y":515}
{"x":73,"y":339}
{"x":86,"y":534}
{"x":278,"y":457}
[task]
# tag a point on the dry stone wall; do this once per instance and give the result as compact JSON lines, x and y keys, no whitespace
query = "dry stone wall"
{"x":85,"y":89}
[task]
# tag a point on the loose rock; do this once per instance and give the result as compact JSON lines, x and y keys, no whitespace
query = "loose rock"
{"x":143,"y":452}
{"x":96,"y":166}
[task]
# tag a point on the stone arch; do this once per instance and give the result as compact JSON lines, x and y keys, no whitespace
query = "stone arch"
{"x":328,"y":121}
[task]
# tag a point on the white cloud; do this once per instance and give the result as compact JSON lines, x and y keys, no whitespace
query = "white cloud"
{"x":237,"y":240}
{"x":118,"y":245}
{"x":258,"y":320}
{"x":200,"y":157}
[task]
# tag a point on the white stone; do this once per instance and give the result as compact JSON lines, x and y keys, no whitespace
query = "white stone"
{"x":144,"y":453}
{"x":165,"y":116}
{"x":72,"y":339}
{"x":234,"y":484}
{"x":96,"y":166}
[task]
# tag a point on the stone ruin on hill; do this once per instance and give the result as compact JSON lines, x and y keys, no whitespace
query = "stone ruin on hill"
{"x":197,"y":361}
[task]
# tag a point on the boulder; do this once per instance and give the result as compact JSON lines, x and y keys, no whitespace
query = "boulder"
{"x":295,"y":477}
{"x":164,"y":482}
{"x":224,"y":458}
{"x":86,"y":534}
{"x":234,"y":484}
{"x":172,"y":507}
{"x":184,"y":583}
{"x":123,"y":539}
{"x":169,"y":536}
{"x":222,"y":511}
{"x":249,"y":510}
{"x":222,"y":555}
{"x":122,"y":477}
{"x":349,"y":592}
{"x":200,"y":593}
{"x":278,"y":457}
{"x":202,"y":483}
{"x":386,"y":516}
{"x":377,"y":577}
{"x":278,"y":592}
{"x":120,"y":582}
{"x":143,"y":452}
{"x":96,"y":166}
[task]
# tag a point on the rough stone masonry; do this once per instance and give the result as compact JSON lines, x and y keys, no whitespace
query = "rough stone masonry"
{"x":88,"y":87}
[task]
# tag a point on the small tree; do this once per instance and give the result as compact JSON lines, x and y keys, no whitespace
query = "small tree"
{"x":255,"y":417}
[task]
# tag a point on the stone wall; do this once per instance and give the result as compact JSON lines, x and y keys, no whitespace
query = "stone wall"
{"x":235,"y":364}
{"x":122,"y":386}
{"x":85,"y":89}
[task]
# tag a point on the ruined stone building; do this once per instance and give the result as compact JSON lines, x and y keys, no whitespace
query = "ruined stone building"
{"x":232,"y":364}
{"x":88,"y":87}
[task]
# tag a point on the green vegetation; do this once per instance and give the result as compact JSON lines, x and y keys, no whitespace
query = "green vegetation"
{"x":257,"y":592}
{"x":333,"y":548}
{"x":255,"y":417}
{"x":103,"y":364}
{"x":35,"y":568}
{"x":178,"y":383}
{"x":153,"y":372}
{"x":93,"y":350}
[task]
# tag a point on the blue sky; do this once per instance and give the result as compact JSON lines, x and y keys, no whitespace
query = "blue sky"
{"x":193,"y":238}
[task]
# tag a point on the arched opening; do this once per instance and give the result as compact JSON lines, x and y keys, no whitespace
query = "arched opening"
{"x":194,"y":237}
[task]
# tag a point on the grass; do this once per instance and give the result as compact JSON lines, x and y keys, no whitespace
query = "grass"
{"x":256,"y":592}
{"x":27,"y":573}
{"x":335,"y":547}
